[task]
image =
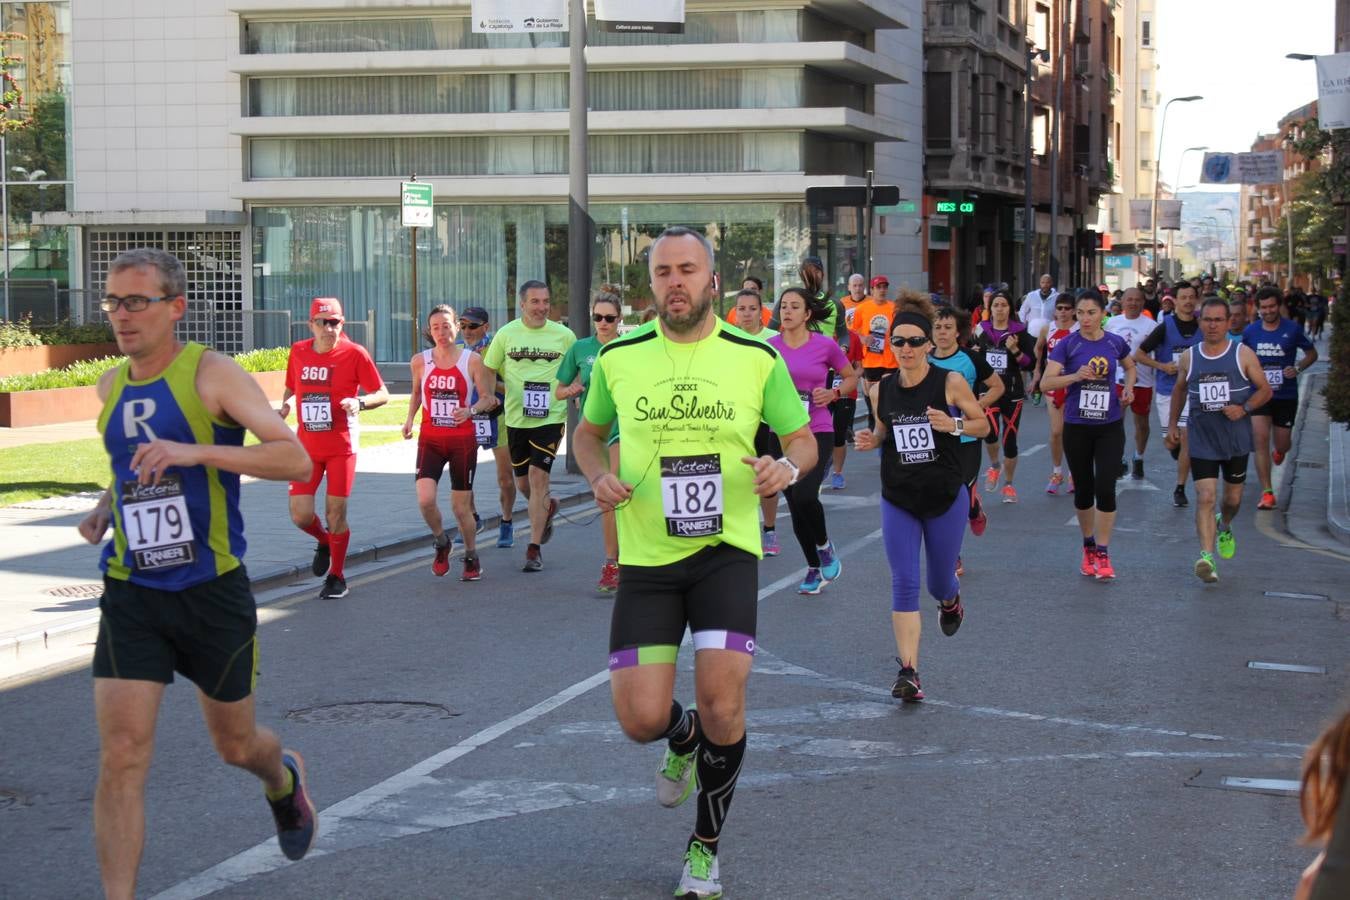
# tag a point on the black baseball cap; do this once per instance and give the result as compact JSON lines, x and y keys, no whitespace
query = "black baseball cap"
{"x":475,"y":314}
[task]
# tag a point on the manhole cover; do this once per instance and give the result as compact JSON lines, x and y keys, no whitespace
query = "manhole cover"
{"x":371,"y":712}
{"x":82,"y":591}
{"x":10,"y":799}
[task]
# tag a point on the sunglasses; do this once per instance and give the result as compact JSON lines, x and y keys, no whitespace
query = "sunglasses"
{"x":1064,"y":308}
{"x":915,"y":342}
{"x":471,"y":325}
{"x":601,"y":317}
{"x":332,"y":323}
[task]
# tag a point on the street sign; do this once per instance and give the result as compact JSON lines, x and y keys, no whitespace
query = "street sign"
{"x":882,"y":195}
{"x":416,"y":204}
{"x":1119,"y":262}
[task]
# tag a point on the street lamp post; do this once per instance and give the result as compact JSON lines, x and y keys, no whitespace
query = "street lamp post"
{"x":1237,"y":247}
{"x":1157,"y":175}
{"x":1171,"y":232}
{"x":1028,"y":230}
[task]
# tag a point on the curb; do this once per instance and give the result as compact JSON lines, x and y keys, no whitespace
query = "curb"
{"x":1338,"y":499}
{"x":13,"y":648}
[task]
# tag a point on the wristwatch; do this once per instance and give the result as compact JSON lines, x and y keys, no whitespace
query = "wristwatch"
{"x":790,"y":466}
{"x":960,"y":425}
{"x":360,"y":404}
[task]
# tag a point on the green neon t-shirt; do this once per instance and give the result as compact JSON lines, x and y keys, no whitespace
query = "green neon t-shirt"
{"x":527,"y":360}
{"x":688,"y":413}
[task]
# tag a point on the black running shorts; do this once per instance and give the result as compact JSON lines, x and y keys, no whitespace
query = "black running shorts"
{"x":1234,"y":470}
{"x":206,"y":633}
{"x":533,"y":447}
{"x":1281,"y":412}
{"x":714,"y":591}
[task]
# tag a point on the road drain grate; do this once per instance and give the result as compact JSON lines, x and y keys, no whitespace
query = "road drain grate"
{"x":12,"y":799}
{"x":371,"y":712}
{"x":81,"y":591}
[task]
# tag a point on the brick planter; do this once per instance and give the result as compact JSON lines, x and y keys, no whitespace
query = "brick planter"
{"x":27,"y":360}
{"x":78,"y":404}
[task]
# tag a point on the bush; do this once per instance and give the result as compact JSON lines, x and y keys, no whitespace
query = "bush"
{"x":271,"y":360}
{"x":1337,"y":390}
{"x":18,"y":334}
{"x":78,"y":374}
{"x":68,"y":333}
{"x":83,"y":374}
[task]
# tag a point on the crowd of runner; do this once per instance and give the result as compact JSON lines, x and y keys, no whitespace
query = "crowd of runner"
{"x":691,"y":428}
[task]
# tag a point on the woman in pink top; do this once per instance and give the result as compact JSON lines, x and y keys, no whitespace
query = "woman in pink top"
{"x":812,"y":360}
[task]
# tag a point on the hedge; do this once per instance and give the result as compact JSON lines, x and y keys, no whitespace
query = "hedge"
{"x":83,"y":374}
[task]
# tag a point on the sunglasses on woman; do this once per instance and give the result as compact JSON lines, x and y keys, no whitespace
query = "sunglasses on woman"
{"x":601,"y":317}
{"x":915,"y":342}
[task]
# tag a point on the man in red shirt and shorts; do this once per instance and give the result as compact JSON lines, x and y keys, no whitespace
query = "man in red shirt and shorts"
{"x":325,"y":373}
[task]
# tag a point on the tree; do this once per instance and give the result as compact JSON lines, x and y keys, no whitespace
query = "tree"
{"x":1315,"y":222}
{"x":1333,"y":181}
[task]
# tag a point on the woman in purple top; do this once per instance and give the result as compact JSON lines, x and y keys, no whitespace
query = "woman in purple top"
{"x":1094,"y":437}
{"x":811,"y":357}
{"x":1008,"y":348}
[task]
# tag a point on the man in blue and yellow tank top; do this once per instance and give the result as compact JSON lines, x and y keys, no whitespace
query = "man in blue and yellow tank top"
{"x":176,"y":596}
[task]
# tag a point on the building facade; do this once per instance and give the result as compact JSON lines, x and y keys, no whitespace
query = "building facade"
{"x":1136,"y":142}
{"x":1020,"y":95}
{"x":1263,"y":205}
{"x":264,"y":141}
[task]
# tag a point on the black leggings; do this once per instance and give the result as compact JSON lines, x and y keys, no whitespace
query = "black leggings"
{"x":844,"y":411}
{"x":803,"y":500}
{"x":1094,"y":453}
{"x":1005,"y":415}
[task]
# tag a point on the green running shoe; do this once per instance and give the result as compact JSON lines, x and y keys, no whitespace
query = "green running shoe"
{"x":1206,"y":569}
{"x":1227,"y":544}
{"x":676,"y":778}
{"x":700,"y":879}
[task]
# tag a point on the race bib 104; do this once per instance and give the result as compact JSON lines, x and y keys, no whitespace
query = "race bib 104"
{"x":1214,"y":392}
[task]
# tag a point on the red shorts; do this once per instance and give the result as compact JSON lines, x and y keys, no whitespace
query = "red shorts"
{"x":1143,"y":399}
{"x":434,"y":454}
{"x":1058,"y":397}
{"x":341,"y":472}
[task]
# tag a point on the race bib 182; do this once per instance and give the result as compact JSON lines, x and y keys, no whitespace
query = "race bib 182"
{"x":691,"y":495}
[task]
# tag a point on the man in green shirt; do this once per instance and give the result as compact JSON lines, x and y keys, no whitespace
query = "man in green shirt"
{"x":526,"y":352}
{"x":688,"y":393}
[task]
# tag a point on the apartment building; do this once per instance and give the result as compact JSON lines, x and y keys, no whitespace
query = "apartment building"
{"x":1263,"y":205}
{"x":1136,"y":141}
{"x":264,"y":142}
{"x":981,"y":131}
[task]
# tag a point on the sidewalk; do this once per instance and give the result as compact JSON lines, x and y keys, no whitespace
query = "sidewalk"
{"x":51,"y":579}
{"x":1312,"y":485}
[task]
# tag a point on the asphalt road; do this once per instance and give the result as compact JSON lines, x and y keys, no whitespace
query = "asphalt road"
{"x":460,"y":740}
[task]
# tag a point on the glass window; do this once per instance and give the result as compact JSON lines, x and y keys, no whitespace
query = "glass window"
{"x":479,"y":254}
{"x":399,"y":33}
{"x":523,"y":155}
{"x":772,"y":88}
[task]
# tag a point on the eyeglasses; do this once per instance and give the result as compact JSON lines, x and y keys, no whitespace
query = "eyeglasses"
{"x":601,"y":317}
{"x":133,"y":303}
{"x":1064,"y":308}
{"x":469,"y":326}
{"x":917,"y":341}
{"x":331,"y":323}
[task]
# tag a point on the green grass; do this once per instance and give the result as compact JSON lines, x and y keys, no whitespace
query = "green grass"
{"x":38,"y":471}
{"x":52,"y":470}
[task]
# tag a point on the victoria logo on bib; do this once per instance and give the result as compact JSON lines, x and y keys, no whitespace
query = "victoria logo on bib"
{"x":691,"y":495}
{"x":914,"y":441}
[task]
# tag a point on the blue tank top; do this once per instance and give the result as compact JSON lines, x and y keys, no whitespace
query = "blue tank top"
{"x":187,"y":529}
{"x":1173,"y":343}
{"x":1212,"y":384}
{"x":962,"y":364}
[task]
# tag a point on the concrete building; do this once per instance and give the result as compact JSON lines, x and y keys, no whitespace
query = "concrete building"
{"x":1136,"y":142}
{"x":264,"y":142}
{"x":981,"y":130}
{"x":1262,"y":206}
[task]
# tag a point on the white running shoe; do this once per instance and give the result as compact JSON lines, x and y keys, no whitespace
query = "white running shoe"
{"x":676,"y":777}
{"x":700,"y":879}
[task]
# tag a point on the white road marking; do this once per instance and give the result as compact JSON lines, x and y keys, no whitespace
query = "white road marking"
{"x":335,"y":820}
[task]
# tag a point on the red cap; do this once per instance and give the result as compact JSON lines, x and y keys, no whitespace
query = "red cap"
{"x":325,"y":308}
{"x":880,"y":279}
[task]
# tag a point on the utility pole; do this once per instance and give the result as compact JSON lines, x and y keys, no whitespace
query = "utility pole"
{"x":1053,"y":265}
{"x":578,"y":211}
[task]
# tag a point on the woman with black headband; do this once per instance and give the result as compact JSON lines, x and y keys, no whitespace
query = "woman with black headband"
{"x":921,"y":412}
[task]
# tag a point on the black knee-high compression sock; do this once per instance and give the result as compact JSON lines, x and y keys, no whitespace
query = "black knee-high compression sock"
{"x":683,"y":731}
{"x":718,"y":768}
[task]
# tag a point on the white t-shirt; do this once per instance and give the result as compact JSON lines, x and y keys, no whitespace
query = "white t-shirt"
{"x":1036,"y":310}
{"x":1133,"y":331}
